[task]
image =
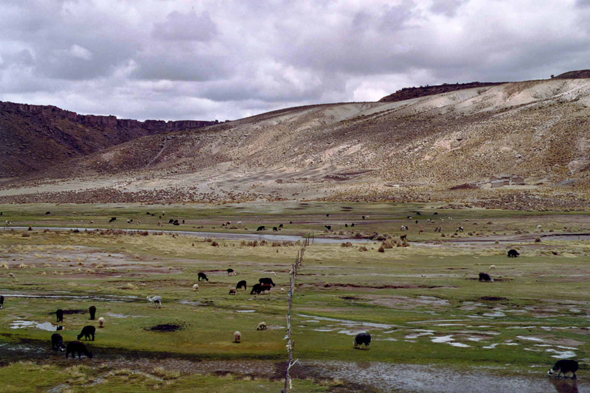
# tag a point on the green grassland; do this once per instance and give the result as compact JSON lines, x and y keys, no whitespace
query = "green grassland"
{"x":422,"y":304}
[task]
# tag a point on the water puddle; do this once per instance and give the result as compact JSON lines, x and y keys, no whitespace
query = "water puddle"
{"x":351,"y":323}
{"x":426,"y":379}
{"x":561,"y":354}
{"x":21,"y":324}
{"x":529,"y":338}
{"x":115,"y":315}
{"x":459,"y":345}
{"x":105,"y":298}
{"x":495,"y":314}
{"x":443,"y":339}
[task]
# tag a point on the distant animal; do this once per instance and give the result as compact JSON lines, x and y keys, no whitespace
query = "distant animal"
{"x":232,"y":291}
{"x":492,"y":267}
{"x":403,"y":237}
{"x":363,"y":217}
{"x":273,"y":273}
{"x":241,"y":284}
{"x":346,"y":225}
{"x":290,"y":222}
{"x":485,"y":277}
{"x":261,"y":326}
{"x":275,"y":229}
{"x":460,"y":229}
{"x":327,"y":215}
{"x":256,"y":289}
{"x":60,"y":315}
{"x":87,"y":331}
{"x":539,"y":227}
{"x":363,"y":338}
{"x":265,"y":288}
{"x":77,"y":346}
{"x":101,"y":322}
{"x":565,"y":366}
{"x":130,"y":221}
{"x":57,"y":342}
{"x":280,"y":226}
{"x":231,"y":272}
{"x":352,"y":224}
{"x":196,"y":287}
{"x":112,"y":219}
{"x":513,"y":253}
{"x":237,"y":337}
{"x":418,"y":213}
{"x":156,"y":300}
{"x":266,"y":280}
{"x":47,"y":213}
{"x":202,"y":276}
{"x":175,"y":222}
{"x":328,"y":227}
{"x":170,"y":221}
{"x":92,"y":311}
{"x":261,"y":228}
{"x":1,"y":302}
{"x":282,"y":290}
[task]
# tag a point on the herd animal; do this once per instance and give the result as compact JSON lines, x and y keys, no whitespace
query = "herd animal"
{"x":57,"y":342}
{"x":156,"y":301}
{"x":513,"y":253}
{"x":1,"y":302}
{"x":485,"y":277}
{"x":87,"y":332}
{"x":363,"y":338}
{"x":77,"y":346}
{"x":564,"y":366}
{"x":92,"y":311}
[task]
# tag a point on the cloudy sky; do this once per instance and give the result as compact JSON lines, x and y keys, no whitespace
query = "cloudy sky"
{"x":218,"y":59}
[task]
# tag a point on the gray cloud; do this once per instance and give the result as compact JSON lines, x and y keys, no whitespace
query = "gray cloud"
{"x":227,"y":59}
{"x":185,"y":27}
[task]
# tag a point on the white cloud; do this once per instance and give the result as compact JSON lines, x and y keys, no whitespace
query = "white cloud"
{"x":225,"y":59}
{"x":80,"y":52}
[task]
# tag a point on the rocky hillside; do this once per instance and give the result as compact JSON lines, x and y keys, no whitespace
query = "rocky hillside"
{"x":579,"y":74}
{"x":407,"y":93}
{"x":35,"y":137}
{"x":533,"y":137}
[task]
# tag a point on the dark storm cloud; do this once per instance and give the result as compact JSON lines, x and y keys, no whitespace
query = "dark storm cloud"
{"x":227,"y":59}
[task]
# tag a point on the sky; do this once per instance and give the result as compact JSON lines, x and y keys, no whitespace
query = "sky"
{"x":228,"y":59}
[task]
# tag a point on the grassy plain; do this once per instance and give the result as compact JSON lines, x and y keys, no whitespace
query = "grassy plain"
{"x":422,"y":304}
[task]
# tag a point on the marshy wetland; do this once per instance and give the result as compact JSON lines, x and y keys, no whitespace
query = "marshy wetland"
{"x":435,"y":327}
